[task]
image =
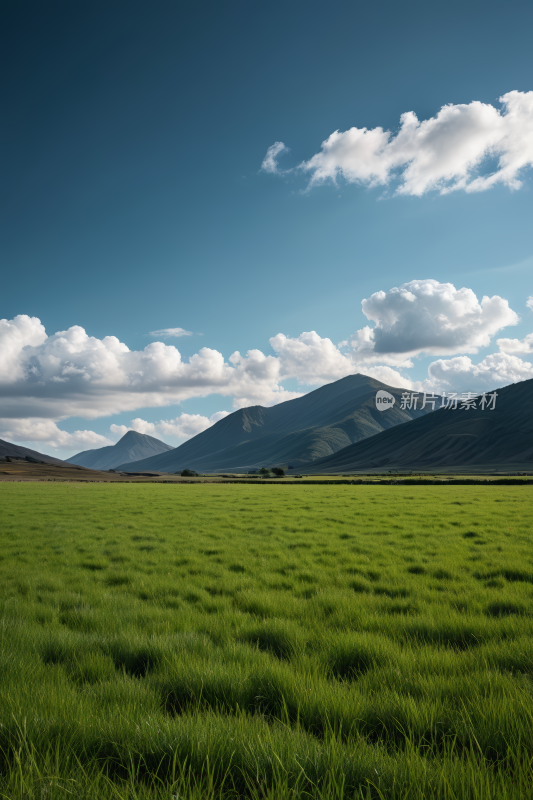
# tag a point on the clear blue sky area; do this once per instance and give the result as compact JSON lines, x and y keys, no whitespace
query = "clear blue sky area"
{"x":132,"y":198}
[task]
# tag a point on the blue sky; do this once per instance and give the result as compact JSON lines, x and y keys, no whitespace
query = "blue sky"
{"x":133,"y":201}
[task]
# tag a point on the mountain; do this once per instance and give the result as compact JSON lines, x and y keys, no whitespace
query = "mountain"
{"x":496,"y":439}
{"x":132,"y":447}
{"x":15,"y":451}
{"x":293,"y":433}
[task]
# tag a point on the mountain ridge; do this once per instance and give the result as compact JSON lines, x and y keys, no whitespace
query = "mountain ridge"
{"x":130,"y":447}
{"x":448,"y":438}
{"x":17,"y":451}
{"x":294,"y":432}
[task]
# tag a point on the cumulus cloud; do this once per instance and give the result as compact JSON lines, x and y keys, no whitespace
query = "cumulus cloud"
{"x":430,"y":317}
{"x":73,"y":374}
{"x":310,"y":358}
{"x":171,"y":333}
{"x":529,"y":303}
{"x":445,"y":153}
{"x":270,"y":163}
{"x":462,"y":375}
{"x":15,"y":335}
{"x":524,"y":345}
{"x":419,"y":317}
{"x":183,"y":427}
{"x":391,"y":377}
{"x":46,"y":432}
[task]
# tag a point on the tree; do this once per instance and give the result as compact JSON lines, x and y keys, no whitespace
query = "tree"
{"x":188,"y":473}
{"x":264,"y":471}
{"x":278,"y":472}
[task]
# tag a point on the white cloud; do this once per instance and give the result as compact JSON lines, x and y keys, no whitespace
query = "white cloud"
{"x":430,"y":317}
{"x":73,"y":374}
{"x":461,"y":375}
{"x":183,"y":427}
{"x":171,"y":333}
{"x":529,"y":303}
{"x":270,"y":163}
{"x":444,"y":153}
{"x":310,"y":359}
{"x":524,"y":345}
{"x":391,"y":377}
{"x":15,"y":334}
{"x":46,"y":432}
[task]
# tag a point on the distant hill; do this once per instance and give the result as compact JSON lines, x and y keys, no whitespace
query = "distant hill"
{"x":16,"y":451}
{"x":497,"y":439}
{"x":132,"y":447}
{"x":293,"y":433}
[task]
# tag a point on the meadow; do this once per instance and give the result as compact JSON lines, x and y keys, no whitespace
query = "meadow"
{"x":223,"y":641}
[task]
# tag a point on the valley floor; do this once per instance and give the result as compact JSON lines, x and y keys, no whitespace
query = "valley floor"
{"x":220,"y":641}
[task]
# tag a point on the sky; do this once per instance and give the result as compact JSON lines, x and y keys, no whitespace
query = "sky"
{"x":210,"y":205}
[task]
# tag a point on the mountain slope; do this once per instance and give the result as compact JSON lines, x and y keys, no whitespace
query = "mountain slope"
{"x":16,"y":451}
{"x":132,"y":447}
{"x":294,"y":432}
{"x":499,"y":438}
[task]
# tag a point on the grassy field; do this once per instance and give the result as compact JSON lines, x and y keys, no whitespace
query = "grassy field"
{"x":208,"y":641}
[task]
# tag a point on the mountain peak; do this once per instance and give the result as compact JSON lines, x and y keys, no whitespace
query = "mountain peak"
{"x":295,"y":431}
{"x":131,"y":447}
{"x":132,"y":435}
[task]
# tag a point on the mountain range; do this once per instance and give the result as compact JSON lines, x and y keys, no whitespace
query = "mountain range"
{"x":291,"y":434}
{"x":132,"y":447}
{"x":9,"y":450}
{"x":335,"y":429}
{"x":474,"y":438}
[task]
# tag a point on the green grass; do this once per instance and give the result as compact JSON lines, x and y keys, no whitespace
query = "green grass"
{"x":207,"y":641}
